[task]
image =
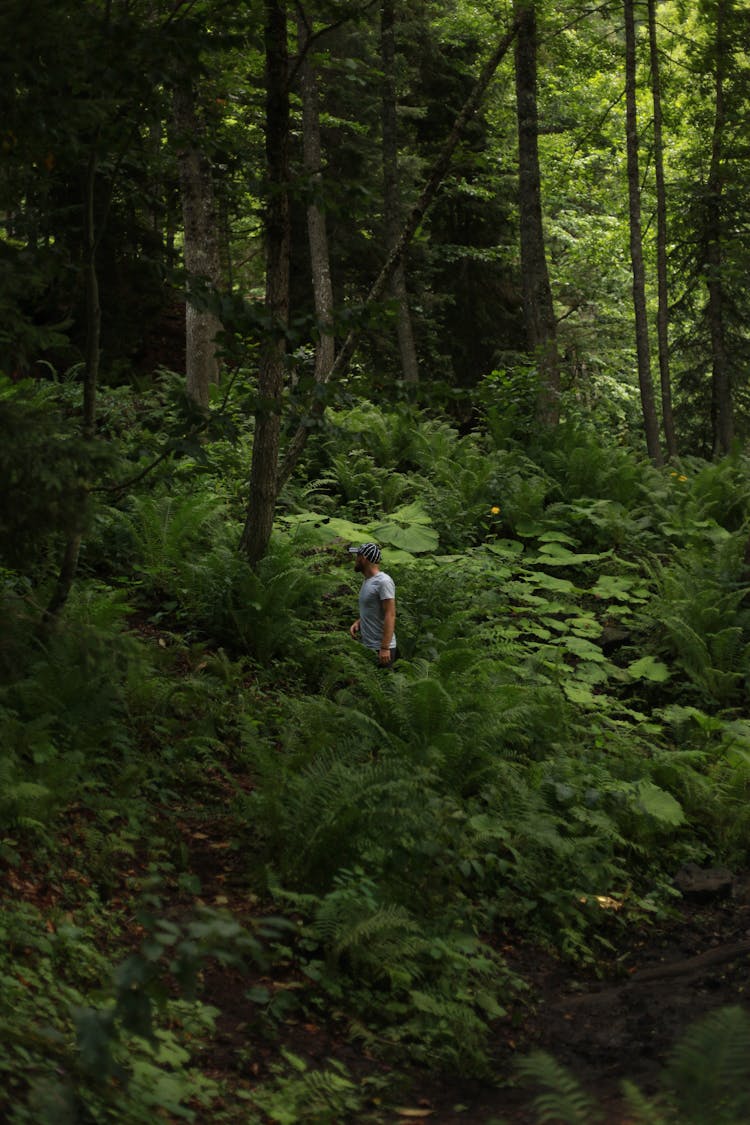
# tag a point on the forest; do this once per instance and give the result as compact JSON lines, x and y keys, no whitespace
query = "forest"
{"x":467,"y":279}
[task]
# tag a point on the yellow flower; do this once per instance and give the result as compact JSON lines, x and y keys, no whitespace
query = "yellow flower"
{"x":682,"y":478}
{"x":673,"y":474}
{"x":495,"y":511}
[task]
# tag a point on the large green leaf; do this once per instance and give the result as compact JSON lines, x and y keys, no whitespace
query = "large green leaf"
{"x":619,"y":587}
{"x":657,"y":803}
{"x":543,"y":581}
{"x":322,"y":529}
{"x":649,"y":668}
{"x":557,"y":554}
{"x":583,"y":648}
{"x":505,"y":547}
{"x":409,"y":529}
{"x":416,"y":540}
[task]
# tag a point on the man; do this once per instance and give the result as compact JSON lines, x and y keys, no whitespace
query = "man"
{"x":377,"y":605}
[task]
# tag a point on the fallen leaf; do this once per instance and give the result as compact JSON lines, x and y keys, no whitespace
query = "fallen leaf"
{"x":414,"y":1112}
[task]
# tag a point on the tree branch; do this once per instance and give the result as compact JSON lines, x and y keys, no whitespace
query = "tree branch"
{"x":435,"y":178}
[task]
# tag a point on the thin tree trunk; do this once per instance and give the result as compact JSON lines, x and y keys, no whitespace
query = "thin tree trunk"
{"x":201,"y":247}
{"x":662,"y":319}
{"x":413,"y":220}
{"x":263,"y":473}
{"x":69,"y":564}
{"x":643,"y":350}
{"x":317,"y":231}
{"x":65,"y":580}
{"x":541,"y":329}
{"x":721,"y":406}
{"x":93,"y":305}
{"x":392,"y":194}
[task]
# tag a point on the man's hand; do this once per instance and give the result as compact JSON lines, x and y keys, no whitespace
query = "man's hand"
{"x":354,"y":629}
{"x":384,"y":656}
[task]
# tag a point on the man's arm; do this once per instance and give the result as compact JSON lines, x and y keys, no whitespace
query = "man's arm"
{"x":389,"y":626}
{"x":354,"y":628}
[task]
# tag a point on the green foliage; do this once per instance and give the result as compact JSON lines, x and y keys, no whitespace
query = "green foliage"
{"x":64,"y":710}
{"x":700,"y":617}
{"x":298,"y":1095}
{"x":705,"y":1081}
{"x":183,"y":551}
{"x":45,"y":471}
{"x":549,"y":741}
{"x":708,"y":1072}
{"x":64,"y":1060}
{"x":565,"y":725}
{"x":563,"y":1099}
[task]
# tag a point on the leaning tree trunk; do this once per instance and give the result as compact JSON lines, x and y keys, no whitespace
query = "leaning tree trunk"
{"x":263,"y":473}
{"x":409,"y":228}
{"x":317,"y":231}
{"x":391,"y":192}
{"x":541,"y":328}
{"x":662,"y":319}
{"x":643,"y":350}
{"x":201,"y":247}
{"x":722,"y":414}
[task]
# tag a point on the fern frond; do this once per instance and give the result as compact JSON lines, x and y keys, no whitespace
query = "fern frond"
{"x":389,"y":925}
{"x":643,"y":1109}
{"x":564,"y":1101}
{"x":709,"y":1070}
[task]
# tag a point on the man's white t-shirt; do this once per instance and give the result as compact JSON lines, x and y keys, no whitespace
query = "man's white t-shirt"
{"x":373,"y":593}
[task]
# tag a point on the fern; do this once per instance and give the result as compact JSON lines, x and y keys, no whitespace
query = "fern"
{"x":379,"y":942}
{"x":165,"y":529}
{"x":699,"y":611}
{"x":706,"y":1080}
{"x":563,"y":1100}
{"x":709,"y":1070}
{"x":643,"y":1109}
{"x":298,"y":1095}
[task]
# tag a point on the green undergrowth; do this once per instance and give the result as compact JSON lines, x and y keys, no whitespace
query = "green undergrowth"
{"x":564,"y":729}
{"x":705,"y":1081}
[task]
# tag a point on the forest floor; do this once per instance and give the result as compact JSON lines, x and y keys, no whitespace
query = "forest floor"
{"x":606,"y":1023}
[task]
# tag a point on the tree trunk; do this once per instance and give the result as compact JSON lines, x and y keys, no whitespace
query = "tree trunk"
{"x":201,"y":247}
{"x":263,"y":473}
{"x":93,"y":305}
{"x":643,"y":350}
{"x":317,"y":232}
{"x":391,"y":192}
{"x":662,"y":320}
{"x":69,"y":564}
{"x":541,"y":329}
{"x":408,"y":230}
{"x":721,"y":404}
